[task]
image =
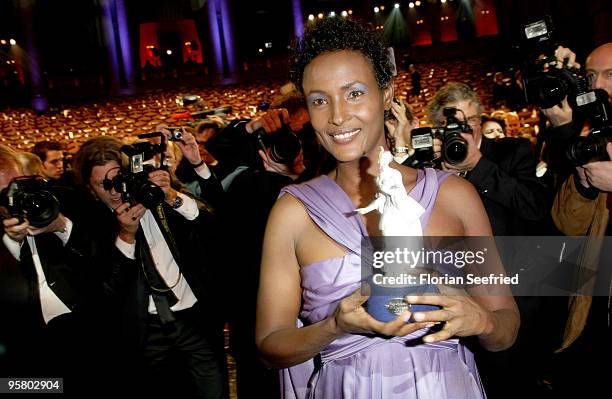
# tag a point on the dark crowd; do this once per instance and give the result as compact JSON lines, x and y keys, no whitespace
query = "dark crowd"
{"x":137,"y":265}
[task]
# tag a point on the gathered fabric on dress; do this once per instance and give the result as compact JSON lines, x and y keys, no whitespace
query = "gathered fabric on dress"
{"x":368,"y":366}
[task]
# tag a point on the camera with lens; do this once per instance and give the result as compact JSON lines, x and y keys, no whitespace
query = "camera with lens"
{"x":132,"y":182}
{"x":28,"y":197}
{"x":284,"y":144}
{"x":454,"y":146}
{"x":591,"y":148}
{"x":547,"y":87}
{"x":176,"y":133}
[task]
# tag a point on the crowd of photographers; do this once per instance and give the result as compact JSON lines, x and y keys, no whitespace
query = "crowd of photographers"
{"x":127,"y":266}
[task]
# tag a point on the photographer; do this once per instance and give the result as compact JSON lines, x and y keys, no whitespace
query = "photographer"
{"x":564,"y":125}
{"x":53,"y":331}
{"x":192,"y":170}
{"x":250,"y":198}
{"x":233,"y":147}
{"x":582,"y":208}
{"x":503,"y":171}
{"x":156,"y":264}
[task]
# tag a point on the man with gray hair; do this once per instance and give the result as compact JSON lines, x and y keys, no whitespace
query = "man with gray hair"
{"x":503,"y":171}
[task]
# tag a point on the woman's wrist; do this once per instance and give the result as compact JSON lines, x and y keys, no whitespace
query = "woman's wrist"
{"x":331,"y":326}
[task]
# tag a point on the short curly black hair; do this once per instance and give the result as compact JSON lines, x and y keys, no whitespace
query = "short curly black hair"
{"x":337,"y":34}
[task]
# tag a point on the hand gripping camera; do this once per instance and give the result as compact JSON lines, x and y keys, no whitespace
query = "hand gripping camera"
{"x":133,"y":181}
{"x":284,"y":145}
{"x":454,"y":146}
{"x":28,"y":197}
{"x":547,"y":88}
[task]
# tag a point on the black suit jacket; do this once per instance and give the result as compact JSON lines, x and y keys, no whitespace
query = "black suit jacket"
{"x":511,"y":192}
{"x":124,"y":282}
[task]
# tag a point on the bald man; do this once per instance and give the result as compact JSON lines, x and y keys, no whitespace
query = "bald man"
{"x":599,"y":67}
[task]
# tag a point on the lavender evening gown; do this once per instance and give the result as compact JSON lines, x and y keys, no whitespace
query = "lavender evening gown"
{"x":357,"y":366}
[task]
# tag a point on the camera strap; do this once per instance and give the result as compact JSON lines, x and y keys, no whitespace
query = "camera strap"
{"x":154,"y":283}
{"x":162,"y":221}
{"x":162,"y":295}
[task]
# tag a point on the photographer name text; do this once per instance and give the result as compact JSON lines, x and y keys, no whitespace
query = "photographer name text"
{"x":426,"y":278}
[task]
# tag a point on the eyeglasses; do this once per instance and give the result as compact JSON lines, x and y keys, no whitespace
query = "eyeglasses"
{"x":474,"y":121}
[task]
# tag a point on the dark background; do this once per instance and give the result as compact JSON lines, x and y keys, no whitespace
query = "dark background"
{"x":70,"y":38}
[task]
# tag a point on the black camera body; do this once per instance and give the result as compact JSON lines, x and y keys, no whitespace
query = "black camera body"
{"x":132,"y":182}
{"x":284,"y":145}
{"x":548,"y":87}
{"x":454,"y":146}
{"x":176,"y":133}
{"x":592,"y":147}
{"x":28,"y":197}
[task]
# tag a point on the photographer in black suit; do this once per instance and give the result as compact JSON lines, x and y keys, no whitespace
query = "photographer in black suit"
{"x":155,"y":264}
{"x":503,"y":173}
{"x":260,"y":157}
{"x":50,"y":272}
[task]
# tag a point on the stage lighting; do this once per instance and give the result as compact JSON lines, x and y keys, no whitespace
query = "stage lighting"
{"x":320,"y":15}
{"x":169,"y":52}
{"x":417,"y":3}
{"x":376,"y":10}
{"x":442,"y":1}
{"x":344,"y":13}
{"x":260,"y":50}
{"x":311,"y":17}
{"x":2,"y":41}
{"x":13,"y":42}
{"x":332,"y":14}
{"x":396,"y":5}
{"x":350,"y":12}
{"x":411,"y":5}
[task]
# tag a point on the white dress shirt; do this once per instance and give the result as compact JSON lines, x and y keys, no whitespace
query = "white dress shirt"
{"x":50,"y":304}
{"x":162,"y":256}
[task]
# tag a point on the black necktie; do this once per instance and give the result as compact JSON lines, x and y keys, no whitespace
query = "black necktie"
{"x":163,"y":297}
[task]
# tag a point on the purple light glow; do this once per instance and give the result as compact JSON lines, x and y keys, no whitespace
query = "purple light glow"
{"x":229,"y":37}
{"x":109,"y":35}
{"x":39,"y":102}
{"x":214,"y":34}
{"x":222,"y":39}
{"x":298,"y":20}
{"x":117,"y":35}
{"x":124,"y":42}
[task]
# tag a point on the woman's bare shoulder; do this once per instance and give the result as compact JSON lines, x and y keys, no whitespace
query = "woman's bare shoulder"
{"x":459,"y":198}
{"x":458,"y":189}
{"x":288,"y":213}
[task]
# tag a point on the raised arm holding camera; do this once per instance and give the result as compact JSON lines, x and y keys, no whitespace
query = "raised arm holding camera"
{"x":503,"y":171}
{"x":149,"y":242}
{"x":582,"y":208}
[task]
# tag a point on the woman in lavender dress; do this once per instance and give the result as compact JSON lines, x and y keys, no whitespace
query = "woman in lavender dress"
{"x":310,"y":318}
